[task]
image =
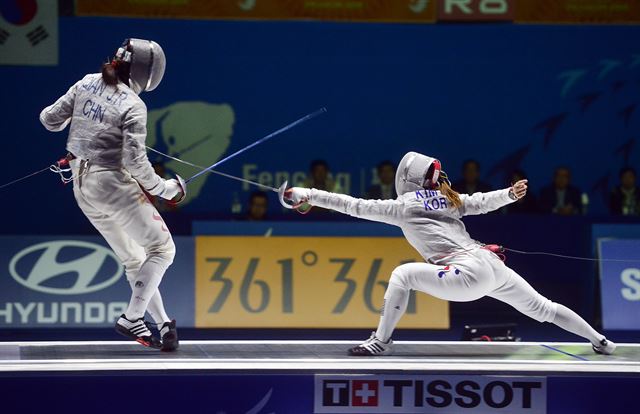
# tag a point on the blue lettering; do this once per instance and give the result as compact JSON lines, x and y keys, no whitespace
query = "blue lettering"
{"x":121,"y":97}
{"x":419,"y":195}
{"x":93,"y":110}
{"x":85,"y":112}
{"x":431,"y":204}
{"x":112,"y":96}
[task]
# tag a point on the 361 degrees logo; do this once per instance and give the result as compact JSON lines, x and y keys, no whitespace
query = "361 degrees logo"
{"x":41,"y":267}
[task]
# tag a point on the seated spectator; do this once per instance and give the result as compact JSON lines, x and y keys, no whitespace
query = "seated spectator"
{"x":526,"y":205}
{"x":470,"y":182}
{"x":386,"y":189}
{"x":319,"y":177}
{"x":625,"y":198}
{"x":258,"y":204}
{"x":561,"y":197}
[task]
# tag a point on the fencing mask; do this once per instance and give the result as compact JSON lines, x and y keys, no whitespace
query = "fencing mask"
{"x":417,"y":172}
{"x":146,"y":63}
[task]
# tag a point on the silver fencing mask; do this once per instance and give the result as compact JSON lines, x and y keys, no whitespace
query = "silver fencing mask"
{"x":146,"y":63}
{"x":411,"y":174}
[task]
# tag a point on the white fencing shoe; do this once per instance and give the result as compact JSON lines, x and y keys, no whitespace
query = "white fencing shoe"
{"x":604,"y":348}
{"x":138,"y":331}
{"x":373,"y":347}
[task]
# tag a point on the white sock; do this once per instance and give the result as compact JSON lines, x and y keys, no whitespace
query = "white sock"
{"x":395,"y":304}
{"x":156,"y":309}
{"x":144,"y":287}
{"x":572,"y":322}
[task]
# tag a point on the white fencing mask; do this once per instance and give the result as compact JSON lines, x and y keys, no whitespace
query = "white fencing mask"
{"x":146,"y":63}
{"x":411,"y":174}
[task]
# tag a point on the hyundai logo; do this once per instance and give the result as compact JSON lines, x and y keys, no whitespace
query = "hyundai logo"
{"x":36,"y":266}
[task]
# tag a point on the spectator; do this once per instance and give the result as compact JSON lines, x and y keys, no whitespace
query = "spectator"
{"x":319,"y":177}
{"x":386,"y":189}
{"x":625,"y":198}
{"x":561,"y":197}
{"x":470,"y":182}
{"x":525,"y":205}
{"x":258,"y":203}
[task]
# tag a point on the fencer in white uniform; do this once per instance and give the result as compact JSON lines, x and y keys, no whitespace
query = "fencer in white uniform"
{"x":457,"y":267}
{"x":106,"y":145}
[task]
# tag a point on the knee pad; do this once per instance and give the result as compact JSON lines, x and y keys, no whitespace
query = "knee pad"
{"x":399,"y":278}
{"x":551,"y":310}
{"x":543,"y":309}
{"x":132,"y":266}
{"x":164,"y":253}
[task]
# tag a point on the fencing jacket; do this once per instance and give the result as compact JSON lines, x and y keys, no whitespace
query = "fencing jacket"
{"x":428,"y":222}
{"x":108,"y":128}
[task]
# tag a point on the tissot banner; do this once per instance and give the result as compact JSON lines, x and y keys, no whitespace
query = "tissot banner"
{"x":446,"y":394}
{"x":68,"y":281}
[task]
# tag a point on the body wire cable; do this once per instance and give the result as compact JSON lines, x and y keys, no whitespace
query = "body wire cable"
{"x":565,"y":256}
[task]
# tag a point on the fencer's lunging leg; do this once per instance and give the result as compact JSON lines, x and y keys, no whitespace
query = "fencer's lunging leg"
{"x":572,"y":322}
{"x":443,"y":282}
{"x":519,"y":294}
{"x":396,"y":299}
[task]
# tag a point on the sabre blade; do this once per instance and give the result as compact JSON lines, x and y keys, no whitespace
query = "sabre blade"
{"x":204,"y":169}
{"x":260,"y":141}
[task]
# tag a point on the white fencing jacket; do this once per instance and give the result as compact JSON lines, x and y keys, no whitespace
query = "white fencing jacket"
{"x":108,"y":128}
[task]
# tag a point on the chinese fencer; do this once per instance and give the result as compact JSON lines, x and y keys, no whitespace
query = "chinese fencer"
{"x":106,"y":145}
{"x":457,"y":268}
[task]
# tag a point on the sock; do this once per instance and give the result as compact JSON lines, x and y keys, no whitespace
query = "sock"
{"x":144,"y":287}
{"x":572,"y":322}
{"x":395,"y":304}
{"x":156,"y":309}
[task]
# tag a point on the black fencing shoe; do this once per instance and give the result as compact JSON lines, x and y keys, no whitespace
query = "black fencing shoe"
{"x":169,"y":335}
{"x":604,"y":348}
{"x":138,"y":331}
{"x":373,"y":347}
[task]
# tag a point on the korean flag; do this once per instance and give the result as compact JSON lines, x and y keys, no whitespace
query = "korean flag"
{"x":28,"y":32}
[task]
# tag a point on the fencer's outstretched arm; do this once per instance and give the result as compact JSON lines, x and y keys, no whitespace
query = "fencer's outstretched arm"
{"x":134,"y":153}
{"x":385,"y":211}
{"x":481,"y":203}
{"x":57,"y":116}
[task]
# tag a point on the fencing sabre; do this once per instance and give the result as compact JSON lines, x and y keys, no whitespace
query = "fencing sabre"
{"x":280,"y":190}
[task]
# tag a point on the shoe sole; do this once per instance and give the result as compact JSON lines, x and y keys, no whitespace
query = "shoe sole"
{"x":384,"y":353}
{"x":125,"y":332}
{"x":170,"y":343}
{"x":601,"y":352}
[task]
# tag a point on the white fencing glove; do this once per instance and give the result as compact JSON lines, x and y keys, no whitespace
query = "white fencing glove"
{"x":171,"y":189}
{"x":298,"y":195}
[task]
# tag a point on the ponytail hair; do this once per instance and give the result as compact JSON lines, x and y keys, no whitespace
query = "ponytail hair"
{"x":114,"y":71}
{"x":109,"y":74}
{"x":450,"y":194}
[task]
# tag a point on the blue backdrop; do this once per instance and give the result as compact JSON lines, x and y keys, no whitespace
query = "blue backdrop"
{"x":508,"y":95}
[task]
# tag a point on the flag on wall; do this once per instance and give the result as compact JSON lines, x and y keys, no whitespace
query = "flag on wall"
{"x":28,"y":32}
